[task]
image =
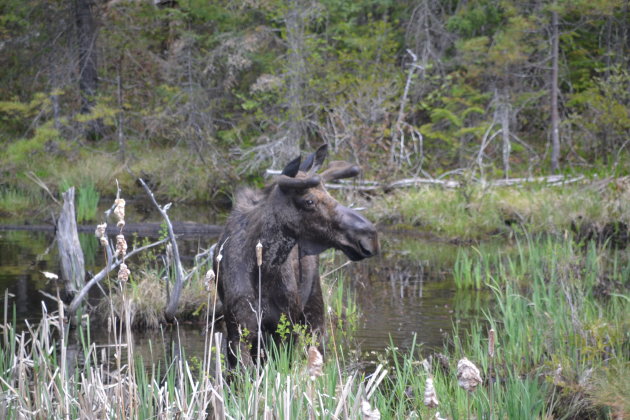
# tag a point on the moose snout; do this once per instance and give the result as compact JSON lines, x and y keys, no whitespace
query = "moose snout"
{"x":361,"y":238}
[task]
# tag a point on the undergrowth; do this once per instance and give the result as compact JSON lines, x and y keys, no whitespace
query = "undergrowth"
{"x":561,"y":350}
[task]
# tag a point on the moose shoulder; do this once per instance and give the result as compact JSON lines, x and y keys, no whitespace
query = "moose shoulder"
{"x":295,"y":219}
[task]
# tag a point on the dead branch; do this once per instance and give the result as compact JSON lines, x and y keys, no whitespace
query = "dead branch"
{"x":171,"y":307}
{"x":111,"y":265}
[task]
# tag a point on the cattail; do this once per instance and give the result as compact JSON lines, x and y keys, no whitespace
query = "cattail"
{"x":209,"y":280}
{"x":121,"y":246}
{"x":491,"y":340}
{"x":368,"y":412}
{"x":468,"y":376}
{"x":315,"y":363}
{"x":100,"y":233}
{"x":259,"y":248}
{"x":430,"y":396}
{"x":123,"y":273}
{"x":119,"y":212}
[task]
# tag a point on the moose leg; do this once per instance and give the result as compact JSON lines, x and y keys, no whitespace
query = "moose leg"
{"x":242,"y":330}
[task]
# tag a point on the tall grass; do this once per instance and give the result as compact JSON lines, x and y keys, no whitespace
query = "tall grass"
{"x":562,"y":351}
{"x":86,"y":205}
{"x":14,"y":202}
{"x":52,"y":371}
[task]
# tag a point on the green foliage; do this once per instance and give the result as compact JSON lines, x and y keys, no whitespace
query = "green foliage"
{"x":476,"y":18}
{"x":87,"y":203}
{"x":284,"y":327}
{"x":604,"y":110}
{"x":14,"y":203}
{"x":208,"y":81}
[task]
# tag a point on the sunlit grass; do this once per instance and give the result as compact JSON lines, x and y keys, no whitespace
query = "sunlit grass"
{"x":479,"y":213}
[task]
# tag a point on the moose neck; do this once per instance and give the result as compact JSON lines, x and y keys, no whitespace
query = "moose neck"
{"x":275,"y":232}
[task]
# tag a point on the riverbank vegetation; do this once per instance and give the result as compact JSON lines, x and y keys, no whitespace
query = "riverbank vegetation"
{"x":559,"y":348}
{"x":196,"y":96}
{"x":598,"y":209}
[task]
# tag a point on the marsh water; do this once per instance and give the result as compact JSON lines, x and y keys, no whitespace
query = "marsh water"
{"x":408,"y":290}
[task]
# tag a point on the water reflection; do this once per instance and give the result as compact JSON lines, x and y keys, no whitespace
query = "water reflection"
{"x":407,"y":290}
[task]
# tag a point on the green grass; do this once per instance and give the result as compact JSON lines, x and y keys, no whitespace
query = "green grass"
{"x":562,"y":350}
{"x":478,"y":213}
{"x":14,"y":202}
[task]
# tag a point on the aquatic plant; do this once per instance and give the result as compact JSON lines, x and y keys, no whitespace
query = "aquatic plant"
{"x":576,"y":366}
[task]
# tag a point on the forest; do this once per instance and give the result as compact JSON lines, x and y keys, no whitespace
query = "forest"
{"x":481,"y":268}
{"x":197,"y":95}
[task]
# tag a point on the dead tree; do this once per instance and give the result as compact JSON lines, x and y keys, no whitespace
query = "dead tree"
{"x":70,"y":253}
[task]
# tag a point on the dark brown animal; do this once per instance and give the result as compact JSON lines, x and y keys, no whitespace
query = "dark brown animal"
{"x":295,"y":219}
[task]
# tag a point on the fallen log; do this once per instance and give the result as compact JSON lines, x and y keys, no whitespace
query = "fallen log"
{"x":142,"y":229}
{"x":367,"y":186}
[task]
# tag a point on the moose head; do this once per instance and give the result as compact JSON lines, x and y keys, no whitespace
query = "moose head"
{"x":314,"y":217}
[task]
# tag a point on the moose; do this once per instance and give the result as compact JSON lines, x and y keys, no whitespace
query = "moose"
{"x":295,"y":219}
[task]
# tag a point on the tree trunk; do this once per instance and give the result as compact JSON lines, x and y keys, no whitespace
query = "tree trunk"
{"x":70,"y":253}
{"x":86,"y":47}
{"x":555,"y":118}
{"x":505,"y":131}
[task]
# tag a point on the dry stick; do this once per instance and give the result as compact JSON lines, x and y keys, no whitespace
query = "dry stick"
{"x":401,"y":111}
{"x":259,"y":249}
{"x":491,"y":343}
{"x":219,"y":413}
{"x":169,"y":313}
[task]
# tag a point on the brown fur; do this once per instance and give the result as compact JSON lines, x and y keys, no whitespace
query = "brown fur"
{"x":295,"y":219}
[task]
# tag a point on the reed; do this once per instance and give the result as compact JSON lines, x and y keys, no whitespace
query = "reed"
{"x":14,"y":202}
{"x":560,"y":349}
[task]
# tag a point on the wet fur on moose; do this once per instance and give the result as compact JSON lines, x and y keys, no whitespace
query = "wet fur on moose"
{"x":295,"y":219}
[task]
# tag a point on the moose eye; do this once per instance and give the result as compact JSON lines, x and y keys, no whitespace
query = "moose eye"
{"x":309,"y":202}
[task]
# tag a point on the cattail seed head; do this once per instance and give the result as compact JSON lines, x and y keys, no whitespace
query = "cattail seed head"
{"x":315,"y":363}
{"x":100,"y":230}
{"x":119,"y":212}
{"x":100,"y":233}
{"x":121,"y":246}
{"x":468,"y":376}
{"x":491,"y":342}
{"x":430,"y":396}
{"x":259,"y":249}
{"x":368,"y":412}
{"x":123,"y":273}
{"x":209,"y":280}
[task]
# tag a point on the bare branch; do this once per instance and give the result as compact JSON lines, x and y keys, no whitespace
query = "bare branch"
{"x":111,"y":265}
{"x":171,"y":307}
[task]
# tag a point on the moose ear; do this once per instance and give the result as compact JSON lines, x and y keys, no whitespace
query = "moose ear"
{"x":292,"y":167}
{"x":314,"y":161}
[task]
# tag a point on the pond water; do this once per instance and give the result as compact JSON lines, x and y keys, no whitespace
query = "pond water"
{"x":406,"y":290}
